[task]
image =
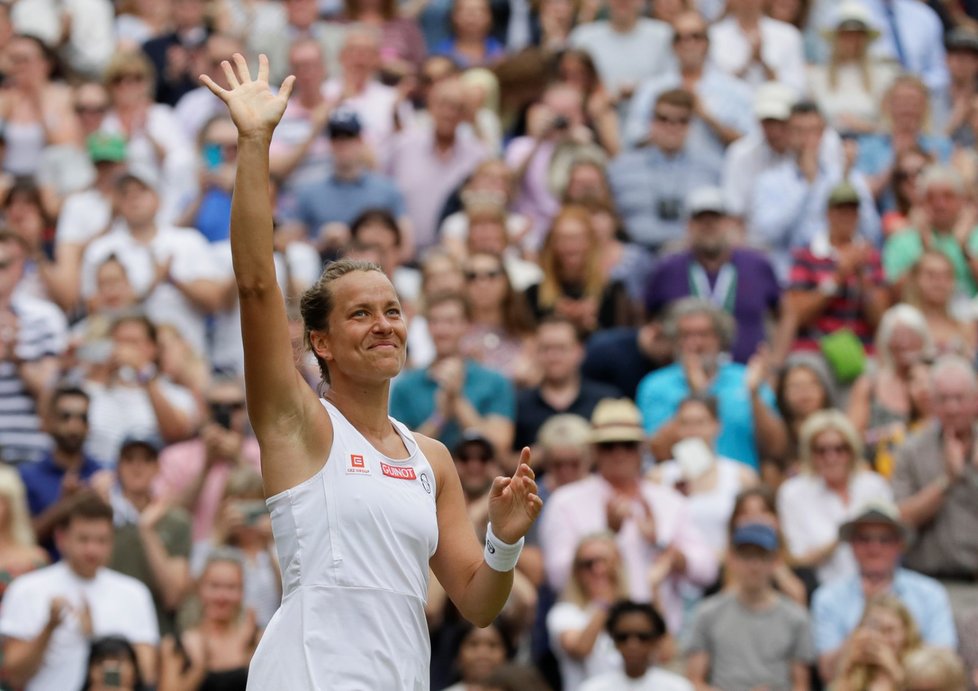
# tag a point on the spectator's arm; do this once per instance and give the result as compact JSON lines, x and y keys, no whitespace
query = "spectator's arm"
{"x":206,"y":295}
{"x":769,"y":428}
{"x":860,"y":403}
{"x":39,"y":377}
{"x":806,"y":305}
{"x":698,"y":669}
{"x":918,"y":502}
{"x":800,"y":676}
{"x":171,"y":573}
{"x":174,"y":424}
{"x":579,"y":644}
{"x":662,"y":441}
{"x":22,"y":659}
{"x":146,"y":659}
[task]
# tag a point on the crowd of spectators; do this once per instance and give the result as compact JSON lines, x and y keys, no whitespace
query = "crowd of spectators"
{"x":715,"y":262}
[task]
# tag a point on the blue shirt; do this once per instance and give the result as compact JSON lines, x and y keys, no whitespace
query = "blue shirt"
{"x":413,"y":398}
{"x":650,"y":189}
{"x":921,"y":38}
{"x":838,"y":606}
{"x":728,"y":99}
{"x":661,"y":392}
{"x":340,"y":201}
{"x":876,"y":154}
{"x":214,"y":216}
{"x":42,"y":483}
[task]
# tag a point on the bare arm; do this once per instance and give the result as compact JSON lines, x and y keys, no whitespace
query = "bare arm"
{"x":772,"y":433}
{"x":921,"y":507}
{"x":697,"y":670}
{"x":478,"y":591}
{"x":173,"y":423}
{"x":664,"y":439}
{"x":806,"y":305}
{"x":285,"y":413}
{"x":171,"y":574}
{"x":22,"y":658}
{"x":800,"y":678}
{"x":579,"y":644}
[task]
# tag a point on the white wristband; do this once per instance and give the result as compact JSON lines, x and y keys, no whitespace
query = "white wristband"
{"x":499,"y":555}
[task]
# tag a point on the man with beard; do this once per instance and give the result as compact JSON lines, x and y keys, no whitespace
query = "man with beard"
{"x":52,"y":482}
{"x":738,"y":280}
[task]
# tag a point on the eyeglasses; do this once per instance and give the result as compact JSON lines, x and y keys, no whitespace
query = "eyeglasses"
{"x":82,"y":109}
{"x":887,"y":539}
{"x":667,"y":120}
{"x":613,"y":445}
{"x":694,"y":36}
{"x":831,"y":449}
{"x":625,"y":636}
{"x":473,"y":276}
{"x":588,"y":564}
{"x":129,"y":77}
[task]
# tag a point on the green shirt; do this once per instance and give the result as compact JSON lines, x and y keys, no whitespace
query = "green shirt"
{"x":903,"y":249}
{"x":129,"y":557}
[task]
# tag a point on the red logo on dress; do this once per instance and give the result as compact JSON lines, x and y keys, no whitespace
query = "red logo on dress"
{"x":356,"y":460}
{"x":398,"y":473}
{"x":357,"y":465}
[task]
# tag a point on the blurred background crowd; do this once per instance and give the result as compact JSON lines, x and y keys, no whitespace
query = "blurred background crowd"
{"x":715,"y":262}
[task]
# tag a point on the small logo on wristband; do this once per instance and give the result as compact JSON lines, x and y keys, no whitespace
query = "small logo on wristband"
{"x":490,"y":547}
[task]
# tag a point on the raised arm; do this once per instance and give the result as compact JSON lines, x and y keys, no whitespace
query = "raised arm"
{"x":291,"y":425}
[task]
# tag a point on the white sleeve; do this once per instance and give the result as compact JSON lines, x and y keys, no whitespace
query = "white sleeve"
{"x":24,"y":612}
{"x":141,"y":625}
{"x":193,"y":259}
{"x":564,"y":617}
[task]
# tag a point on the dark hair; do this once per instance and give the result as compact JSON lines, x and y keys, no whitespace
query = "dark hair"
{"x":112,"y":647}
{"x":27,"y":189}
{"x":586,"y":61}
{"x":316,"y":303}
{"x":442,"y":298}
{"x":517,"y":316}
{"x":136,"y":318}
{"x":805,"y":108}
{"x":814,"y":366}
{"x":515,"y":677}
{"x":559,"y":319}
{"x":66,"y":390}
{"x":759,"y":491}
{"x":87,"y":506}
{"x":55,"y":70}
{"x":625,"y":607}
{"x":680,"y":98}
{"x":704,"y":399}
{"x":376,"y":216}
{"x":465,"y":629}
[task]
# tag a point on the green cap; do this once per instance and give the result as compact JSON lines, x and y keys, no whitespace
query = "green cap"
{"x":106,"y":148}
{"x":843,"y":193}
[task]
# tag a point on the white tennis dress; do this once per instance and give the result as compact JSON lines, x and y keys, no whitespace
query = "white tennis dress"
{"x":353,"y":542}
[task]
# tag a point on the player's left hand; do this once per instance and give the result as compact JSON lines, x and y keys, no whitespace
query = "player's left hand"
{"x":513,"y":502}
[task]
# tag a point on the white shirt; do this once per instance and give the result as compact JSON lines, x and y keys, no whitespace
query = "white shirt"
{"x":90,"y":42}
{"x":811,"y":514}
{"x":654,"y":679}
{"x":604,"y":657}
{"x":190,"y":260}
{"x":119,"y":605}
{"x":626,"y":58}
{"x":781,"y":48}
{"x":83,"y":216}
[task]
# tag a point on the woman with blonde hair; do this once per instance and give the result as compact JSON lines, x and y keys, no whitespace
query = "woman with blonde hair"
{"x":814,"y":504}
{"x":934,"y":669}
{"x":873,"y":657}
{"x":931,"y":289}
{"x":849,"y":89}
{"x":576,"y":624}
{"x":574,"y":283}
{"x":19,"y":552}
{"x":564,"y":447}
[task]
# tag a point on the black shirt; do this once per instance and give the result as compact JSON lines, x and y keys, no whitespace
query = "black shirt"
{"x":532,"y":411}
{"x":613,"y":358}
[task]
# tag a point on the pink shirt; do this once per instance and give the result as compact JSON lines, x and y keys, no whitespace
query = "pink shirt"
{"x":182,"y":462}
{"x":579,"y":509}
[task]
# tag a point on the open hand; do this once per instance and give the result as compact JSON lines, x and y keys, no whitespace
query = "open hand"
{"x":514,"y":503}
{"x":254,"y":109}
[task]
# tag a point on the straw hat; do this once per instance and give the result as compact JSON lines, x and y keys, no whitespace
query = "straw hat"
{"x":616,"y":419}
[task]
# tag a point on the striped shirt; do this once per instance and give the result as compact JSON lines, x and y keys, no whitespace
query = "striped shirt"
{"x":42,"y":332}
{"x":813,"y":265}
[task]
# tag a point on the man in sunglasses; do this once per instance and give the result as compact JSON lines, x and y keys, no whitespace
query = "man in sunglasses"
{"x":651,"y":522}
{"x":53,"y":482}
{"x":637,"y":629}
{"x":877,"y":537}
{"x":750,"y":636}
{"x":650,"y":182}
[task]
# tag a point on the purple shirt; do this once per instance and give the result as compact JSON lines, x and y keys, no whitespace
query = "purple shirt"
{"x":426,"y":178}
{"x":755,"y":293}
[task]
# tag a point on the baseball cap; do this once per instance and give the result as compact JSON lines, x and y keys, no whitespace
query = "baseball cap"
{"x":141,"y":174}
{"x":961,"y":39}
{"x":852,"y":16}
{"x":773,"y":101}
{"x":474,"y":436}
{"x":106,"y":148}
{"x":705,"y":200}
{"x":757,"y":535}
{"x":843,"y":193}
{"x":616,"y":419}
{"x":874,"y":513}
{"x":147,"y":440}
{"x":343,"y":123}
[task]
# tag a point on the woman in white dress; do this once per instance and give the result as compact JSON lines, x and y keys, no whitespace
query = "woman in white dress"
{"x":360,"y":506}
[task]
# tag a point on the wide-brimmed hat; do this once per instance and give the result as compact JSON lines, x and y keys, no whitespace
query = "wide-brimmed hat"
{"x":616,"y":419}
{"x":874,"y":513}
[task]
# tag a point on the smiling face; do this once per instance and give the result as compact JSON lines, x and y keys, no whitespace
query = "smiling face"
{"x":221,"y":591}
{"x":832,"y":457}
{"x":367,"y":332}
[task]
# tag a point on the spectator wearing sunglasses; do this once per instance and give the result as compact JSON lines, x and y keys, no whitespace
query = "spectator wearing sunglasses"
{"x":651,"y":523}
{"x":637,"y":630}
{"x":878,"y":540}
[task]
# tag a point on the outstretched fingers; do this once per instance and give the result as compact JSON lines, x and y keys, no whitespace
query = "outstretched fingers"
{"x":244,"y":75}
{"x":229,"y":74}
{"x":262,"y":68}
{"x":285,"y":90}
{"x":217,"y":90}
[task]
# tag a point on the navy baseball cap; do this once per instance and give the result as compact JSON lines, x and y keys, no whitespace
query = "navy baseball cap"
{"x":343,"y":123}
{"x":149,"y":441}
{"x":757,"y":535}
